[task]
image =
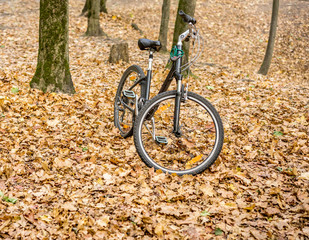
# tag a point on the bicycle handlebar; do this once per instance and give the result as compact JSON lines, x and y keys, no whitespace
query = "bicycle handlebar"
{"x":187,"y":18}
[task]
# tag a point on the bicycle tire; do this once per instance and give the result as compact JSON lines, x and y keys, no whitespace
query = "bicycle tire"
{"x":135,"y":70}
{"x":154,"y":104}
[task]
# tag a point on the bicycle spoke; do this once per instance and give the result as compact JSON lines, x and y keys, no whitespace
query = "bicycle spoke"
{"x":153,"y":133}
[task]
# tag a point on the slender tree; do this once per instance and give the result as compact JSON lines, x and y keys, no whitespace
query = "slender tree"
{"x":271,"y":40}
{"x":53,"y":71}
{"x":94,"y":28}
{"x":102,"y":7}
{"x":164,"y":23}
{"x":188,"y":6}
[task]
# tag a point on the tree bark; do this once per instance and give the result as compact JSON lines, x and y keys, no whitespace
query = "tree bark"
{"x":53,"y":71}
{"x":188,"y":6}
{"x":271,"y":40}
{"x":94,"y":28}
{"x":85,"y":8}
{"x":102,"y":7}
{"x":164,"y":24}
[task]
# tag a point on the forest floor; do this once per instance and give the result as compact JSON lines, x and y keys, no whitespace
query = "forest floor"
{"x":71,"y":175}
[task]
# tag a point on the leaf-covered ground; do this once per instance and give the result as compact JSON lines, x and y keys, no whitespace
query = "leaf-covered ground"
{"x":73,"y":176}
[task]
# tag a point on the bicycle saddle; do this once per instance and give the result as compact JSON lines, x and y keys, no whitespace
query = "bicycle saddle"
{"x":146,"y":44}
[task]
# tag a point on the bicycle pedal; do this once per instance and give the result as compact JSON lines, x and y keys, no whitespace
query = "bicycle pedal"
{"x":129,"y":94}
{"x":161,"y":140}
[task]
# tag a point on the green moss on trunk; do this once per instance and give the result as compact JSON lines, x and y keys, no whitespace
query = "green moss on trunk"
{"x":53,"y":71}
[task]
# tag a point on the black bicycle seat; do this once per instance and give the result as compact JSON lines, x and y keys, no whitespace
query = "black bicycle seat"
{"x":146,"y":44}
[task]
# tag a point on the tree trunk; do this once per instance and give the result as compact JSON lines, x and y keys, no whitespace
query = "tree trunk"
{"x":164,"y":24}
{"x":85,"y":8}
{"x":94,"y":28}
{"x":188,"y":6}
{"x":102,"y":7}
{"x":53,"y":71}
{"x":271,"y":40}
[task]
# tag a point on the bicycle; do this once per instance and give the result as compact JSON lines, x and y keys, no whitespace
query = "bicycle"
{"x":176,"y":131}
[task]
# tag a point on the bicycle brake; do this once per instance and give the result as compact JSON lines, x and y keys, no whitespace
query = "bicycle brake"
{"x":184,"y":93}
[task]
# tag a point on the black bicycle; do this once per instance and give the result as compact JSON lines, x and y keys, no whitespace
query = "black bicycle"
{"x":176,"y":131}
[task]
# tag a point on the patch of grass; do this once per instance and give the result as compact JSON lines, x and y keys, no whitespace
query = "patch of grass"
{"x":7,"y":199}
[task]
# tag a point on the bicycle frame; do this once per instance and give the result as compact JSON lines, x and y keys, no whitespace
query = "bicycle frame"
{"x":145,"y":83}
{"x":175,"y":72}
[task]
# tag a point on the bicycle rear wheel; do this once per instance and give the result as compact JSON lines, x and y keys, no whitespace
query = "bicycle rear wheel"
{"x":124,"y":105}
{"x":198,"y":145}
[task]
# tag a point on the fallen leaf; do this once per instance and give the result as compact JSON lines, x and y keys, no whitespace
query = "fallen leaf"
{"x":69,"y":206}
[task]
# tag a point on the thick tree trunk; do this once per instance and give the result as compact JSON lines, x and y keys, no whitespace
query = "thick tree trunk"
{"x":102,"y":7}
{"x":53,"y":72}
{"x":271,"y":40}
{"x":164,"y":23}
{"x":188,"y":6}
{"x":94,"y":28}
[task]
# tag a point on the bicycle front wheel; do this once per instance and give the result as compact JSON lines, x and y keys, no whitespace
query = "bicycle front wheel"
{"x":191,"y":152}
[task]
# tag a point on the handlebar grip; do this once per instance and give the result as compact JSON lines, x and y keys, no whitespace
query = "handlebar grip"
{"x":187,"y":18}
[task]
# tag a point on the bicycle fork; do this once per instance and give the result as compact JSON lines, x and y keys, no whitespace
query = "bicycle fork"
{"x":179,"y":92}
{"x":178,"y":97}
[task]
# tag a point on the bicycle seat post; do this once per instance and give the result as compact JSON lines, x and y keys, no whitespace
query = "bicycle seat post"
{"x":149,"y":71}
{"x":150,"y":60}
